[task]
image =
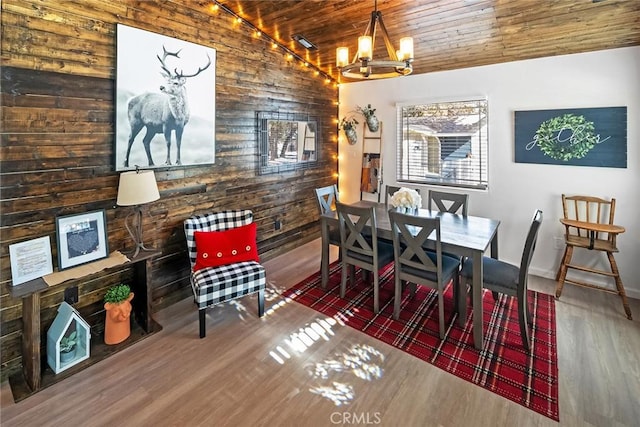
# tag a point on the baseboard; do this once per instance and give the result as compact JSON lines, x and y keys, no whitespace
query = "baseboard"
{"x":631,"y":293}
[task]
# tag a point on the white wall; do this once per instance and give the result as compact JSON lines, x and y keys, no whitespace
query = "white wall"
{"x":597,"y":79}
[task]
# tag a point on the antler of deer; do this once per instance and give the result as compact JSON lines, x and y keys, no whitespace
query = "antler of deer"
{"x":200,"y":69}
{"x":176,"y":73}
{"x":166,"y":53}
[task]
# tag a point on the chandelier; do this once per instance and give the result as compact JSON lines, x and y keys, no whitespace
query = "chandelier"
{"x":364,"y":66}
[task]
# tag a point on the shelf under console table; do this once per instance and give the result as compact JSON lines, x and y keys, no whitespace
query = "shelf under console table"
{"x":35,"y":374}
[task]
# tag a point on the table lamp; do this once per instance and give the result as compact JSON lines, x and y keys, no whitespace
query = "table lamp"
{"x":135,"y":189}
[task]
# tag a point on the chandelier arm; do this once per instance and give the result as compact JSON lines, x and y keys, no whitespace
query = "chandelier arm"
{"x":374,"y":27}
{"x":385,"y":36}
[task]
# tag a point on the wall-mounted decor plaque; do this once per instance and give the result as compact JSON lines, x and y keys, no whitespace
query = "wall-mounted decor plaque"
{"x":576,"y":137}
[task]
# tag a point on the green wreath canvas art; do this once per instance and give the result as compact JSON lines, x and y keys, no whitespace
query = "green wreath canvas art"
{"x":566,"y":137}
{"x":575,"y":137}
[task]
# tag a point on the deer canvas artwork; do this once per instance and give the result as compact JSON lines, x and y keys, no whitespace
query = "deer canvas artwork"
{"x":165,"y":101}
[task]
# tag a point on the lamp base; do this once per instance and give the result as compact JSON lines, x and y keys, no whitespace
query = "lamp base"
{"x":133,"y":224}
{"x":139,"y":248}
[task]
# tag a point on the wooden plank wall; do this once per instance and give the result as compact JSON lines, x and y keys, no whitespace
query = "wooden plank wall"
{"x":57,"y":142}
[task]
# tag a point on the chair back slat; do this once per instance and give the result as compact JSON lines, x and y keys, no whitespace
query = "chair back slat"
{"x":589,"y":209}
{"x":358,"y":232}
{"x":410,"y":234}
{"x":529,"y":248}
{"x":448,"y":202}
{"x":327,"y":198}
{"x":218,"y":221}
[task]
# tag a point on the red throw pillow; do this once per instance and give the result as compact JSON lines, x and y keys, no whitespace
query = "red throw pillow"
{"x":215,"y":248}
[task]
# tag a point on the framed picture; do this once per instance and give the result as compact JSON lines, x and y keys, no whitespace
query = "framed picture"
{"x":163,"y":86}
{"x":30,"y":260}
{"x":82,"y":238}
{"x":573,"y":137}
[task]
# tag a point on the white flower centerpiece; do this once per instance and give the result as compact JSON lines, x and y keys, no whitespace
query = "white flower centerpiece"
{"x":406,"y":200}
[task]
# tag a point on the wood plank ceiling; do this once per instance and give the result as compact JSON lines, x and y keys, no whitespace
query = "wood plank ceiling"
{"x":449,"y":34}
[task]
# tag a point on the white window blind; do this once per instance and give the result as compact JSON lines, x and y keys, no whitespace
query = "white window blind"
{"x":443,"y":143}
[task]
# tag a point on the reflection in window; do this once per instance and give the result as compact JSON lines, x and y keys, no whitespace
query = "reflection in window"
{"x":443,"y":143}
{"x":291,"y":142}
{"x":286,"y":141}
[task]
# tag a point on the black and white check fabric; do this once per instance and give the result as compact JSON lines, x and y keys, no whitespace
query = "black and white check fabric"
{"x":216,"y":284}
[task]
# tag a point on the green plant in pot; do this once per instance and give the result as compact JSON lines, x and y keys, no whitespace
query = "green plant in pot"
{"x":369,"y":114}
{"x":68,"y":347}
{"x":117,"y":303}
{"x":118,"y":293}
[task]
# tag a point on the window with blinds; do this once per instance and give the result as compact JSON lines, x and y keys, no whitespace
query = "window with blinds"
{"x":443,"y":143}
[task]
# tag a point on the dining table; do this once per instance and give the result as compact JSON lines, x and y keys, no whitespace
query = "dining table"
{"x":468,"y":236}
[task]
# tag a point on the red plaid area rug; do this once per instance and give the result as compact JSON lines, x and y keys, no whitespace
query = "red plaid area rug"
{"x":503,"y":366}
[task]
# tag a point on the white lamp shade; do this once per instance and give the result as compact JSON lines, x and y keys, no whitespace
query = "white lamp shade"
{"x":137,"y":188}
{"x":342,"y":56}
{"x":406,"y":48}
{"x":365,"y":47}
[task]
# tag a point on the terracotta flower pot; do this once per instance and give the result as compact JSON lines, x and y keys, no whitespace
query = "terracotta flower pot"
{"x":117,"y":327}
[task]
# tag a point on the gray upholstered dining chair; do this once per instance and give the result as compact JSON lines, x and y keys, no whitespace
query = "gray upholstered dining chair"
{"x":361,"y":247}
{"x":448,"y":202}
{"x":416,"y":265}
{"x":502,"y":277}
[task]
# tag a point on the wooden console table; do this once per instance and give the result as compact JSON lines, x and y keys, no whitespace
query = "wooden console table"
{"x":35,"y":375}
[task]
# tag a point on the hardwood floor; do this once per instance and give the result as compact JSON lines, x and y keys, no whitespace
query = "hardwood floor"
{"x":244,"y":373}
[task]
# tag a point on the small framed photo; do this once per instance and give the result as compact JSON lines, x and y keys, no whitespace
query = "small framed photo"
{"x":30,"y":260}
{"x":82,"y":238}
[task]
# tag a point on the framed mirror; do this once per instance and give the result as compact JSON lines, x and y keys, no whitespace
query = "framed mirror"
{"x":286,"y":141}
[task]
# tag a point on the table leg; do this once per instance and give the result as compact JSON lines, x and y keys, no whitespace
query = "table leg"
{"x":477,"y":300}
{"x":324,"y":262}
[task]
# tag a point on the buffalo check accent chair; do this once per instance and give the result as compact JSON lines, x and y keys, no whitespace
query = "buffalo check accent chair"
{"x":212,"y":285}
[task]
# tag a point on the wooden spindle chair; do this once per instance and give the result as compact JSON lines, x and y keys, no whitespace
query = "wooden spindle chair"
{"x":589,"y":225}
